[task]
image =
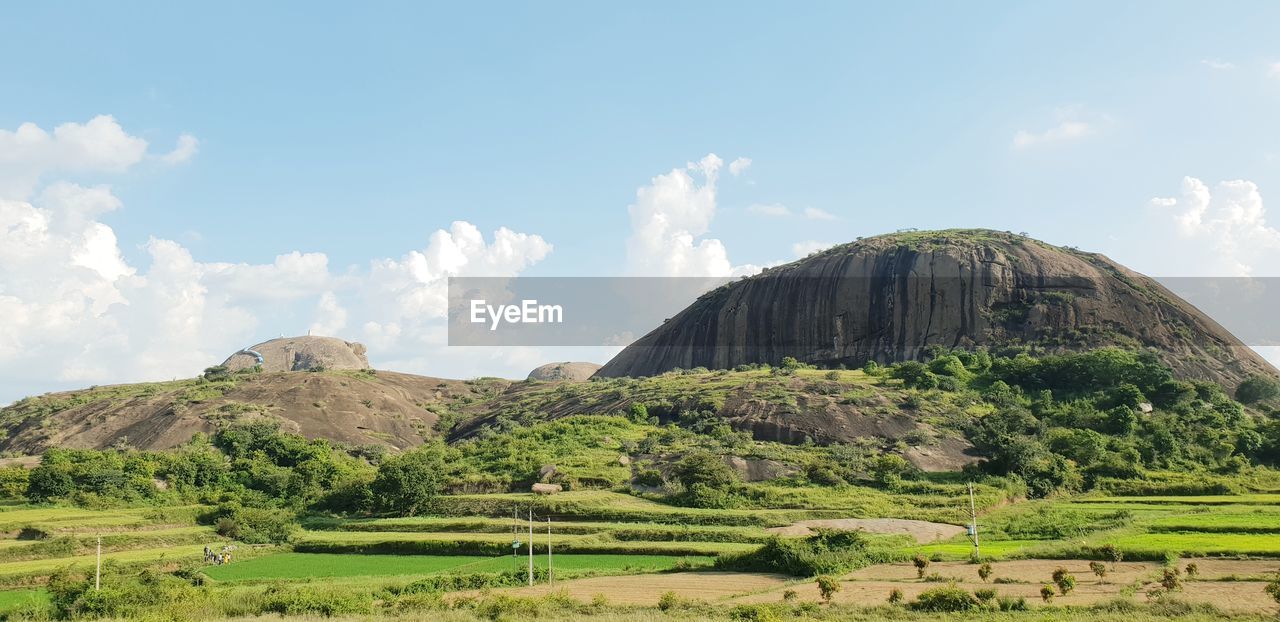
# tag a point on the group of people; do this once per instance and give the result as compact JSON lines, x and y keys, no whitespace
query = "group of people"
{"x":217,"y":558}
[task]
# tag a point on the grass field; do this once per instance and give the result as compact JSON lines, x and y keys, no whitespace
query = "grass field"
{"x":319,"y":565}
{"x":603,"y":536}
{"x":15,"y":598}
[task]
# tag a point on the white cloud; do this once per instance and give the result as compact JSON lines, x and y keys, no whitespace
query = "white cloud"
{"x":738,"y":166}
{"x":1223,"y":231}
{"x":1274,"y":70}
{"x":770,"y":209}
{"x":668,"y":218}
{"x":809,"y":247}
{"x":813,"y":213}
{"x":1063,"y":132}
{"x":1218,"y":65}
{"x":186,"y":149}
{"x":30,"y":152}
{"x":331,"y":317}
{"x":76,"y":313}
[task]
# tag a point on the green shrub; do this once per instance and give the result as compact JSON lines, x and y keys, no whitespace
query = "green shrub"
{"x":944,"y":599}
{"x":328,"y":602}
{"x":827,"y":552}
{"x":254,"y":525}
{"x":827,"y":586}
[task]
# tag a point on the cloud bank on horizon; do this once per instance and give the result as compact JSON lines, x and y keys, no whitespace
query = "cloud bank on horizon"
{"x":77,"y":313}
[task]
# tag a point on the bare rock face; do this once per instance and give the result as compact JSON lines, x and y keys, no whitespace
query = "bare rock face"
{"x":888,"y":298}
{"x":301,"y":354}
{"x":574,"y":372}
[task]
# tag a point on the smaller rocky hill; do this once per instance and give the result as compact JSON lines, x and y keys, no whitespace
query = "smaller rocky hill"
{"x":349,"y":407}
{"x":575,"y":372}
{"x":300,"y":354}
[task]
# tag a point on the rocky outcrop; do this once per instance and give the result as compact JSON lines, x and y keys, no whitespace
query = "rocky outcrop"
{"x":574,"y":372}
{"x":300,"y":354}
{"x":888,"y":298}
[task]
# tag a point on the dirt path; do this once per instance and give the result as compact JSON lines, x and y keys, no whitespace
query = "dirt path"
{"x":922,"y":531}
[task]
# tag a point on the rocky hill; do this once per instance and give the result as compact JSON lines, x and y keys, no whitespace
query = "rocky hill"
{"x":889,"y":298}
{"x":350,"y":407}
{"x":573,"y":372}
{"x":300,"y":354}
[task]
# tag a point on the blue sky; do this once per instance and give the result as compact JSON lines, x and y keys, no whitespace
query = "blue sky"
{"x":356,"y":132}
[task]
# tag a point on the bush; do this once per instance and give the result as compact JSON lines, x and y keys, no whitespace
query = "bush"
{"x":254,"y":525}
{"x":828,"y":586}
{"x":984,"y":572}
{"x":921,"y":563}
{"x":1257,"y":388}
{"x":827,"y":552}
{"x":985,"y":595}
{"x":944,"y":599}
{"x":406,"y":484}
{"x":294,"y":601}
{"x":706,"y":469}
{"x":895,"y":596}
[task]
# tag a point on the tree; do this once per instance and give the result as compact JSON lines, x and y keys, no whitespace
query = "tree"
{"x":1257,"y":388}
{"x":638,"y":412}
{"x":706,"y":469}
{"x":828,"y":586}
{"x":889,"y":469}
{"x":47,"y":482}
{"x":1273,"y":589}
{"x":1112,"y":553}
{"x":984,"y":572}
{"x":921,"y":563}
{"x":1066,"y":583}
{"x":407,"y":483}
{"x":914,"y":375}
{"x":1099,"y":569}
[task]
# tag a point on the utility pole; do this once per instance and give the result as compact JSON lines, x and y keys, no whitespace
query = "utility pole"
{"x":973,"y":523}
{"x":97,"y":574}
{"x":530,"y":546}
{"x":551,"y":577}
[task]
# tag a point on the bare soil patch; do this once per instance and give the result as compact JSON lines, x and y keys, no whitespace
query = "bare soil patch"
{"x":647,"y":589}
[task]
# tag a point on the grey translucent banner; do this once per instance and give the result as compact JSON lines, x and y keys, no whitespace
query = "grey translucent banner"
{"x":595,"y":311}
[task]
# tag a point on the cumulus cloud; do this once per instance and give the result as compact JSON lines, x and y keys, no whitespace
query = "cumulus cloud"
{"x":1063,"y":132}
{"x":1228,"y":226}
{"x":809,"y":247}
{"x":76,"y":312}
{"x":813,"y":213}
{"x":770,"y":209}
{"x":28,"y":153}
{"x":739,"y":165}
{"x":668,"y":220}
{"x":186,"y":149}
